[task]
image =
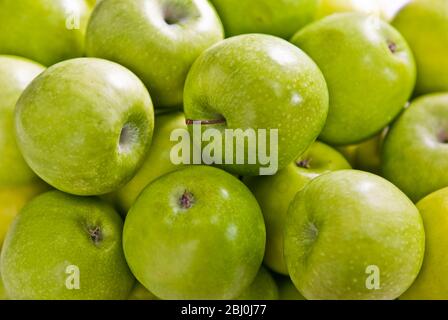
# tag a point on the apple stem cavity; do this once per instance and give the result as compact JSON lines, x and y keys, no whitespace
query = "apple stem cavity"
{"x":186,"y":201}
{"x":95,"y":234}
{"x":127,"y":138}
{"x":173,"y":15}
{"x":443,"y":136}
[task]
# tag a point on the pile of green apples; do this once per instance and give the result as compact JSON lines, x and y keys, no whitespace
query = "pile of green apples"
{"x":93,"y":207}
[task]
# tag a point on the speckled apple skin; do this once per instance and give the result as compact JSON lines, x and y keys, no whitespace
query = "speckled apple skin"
{"x":415,"y":152}
{"x":15,"y":75}
{"x":275,"y":193}
{"x":368,"y":83}
{"x":259,"y":82}
{"x":424,"y":24}
{"x":69,"y":122}
{"x":281,"y":18}
{"x":213,"y":250}
{"x":51,"y":233}
{"x":135,"y":34}
{"x":345,"y":221}
{"x":37,"y":29}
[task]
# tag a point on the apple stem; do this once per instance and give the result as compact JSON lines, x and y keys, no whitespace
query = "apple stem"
{"x":186,"y":201}
{"x":95,"y":234}
{"x":304,"y":163}
{"x":392,"y":46}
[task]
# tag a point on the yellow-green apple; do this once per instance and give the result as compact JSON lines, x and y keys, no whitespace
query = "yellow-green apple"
{"x":365,"y":156}
{"x":65,"y":247}
{"x":269,"y":85}
{"x":415,"y":151}
{"x":281,"y":18}
{"x":275,"y":193}
{"x":353,"y":235}
{"x":139,"y":292}
{"x":84,"y":125}
{"x":369,"y":69}
{"x":287,"y":290}
{"x":158,"y":161}
{"x":46,"y":31}
{"x":262,"y":288}
{"x":432,"y":281}
{"x":329,"y":7}
{"x":13,"y":199}
{"x":205,"y":239}
{"x":15,"y":75}
{"x":157,"y":39}
{"x":424,"y":24}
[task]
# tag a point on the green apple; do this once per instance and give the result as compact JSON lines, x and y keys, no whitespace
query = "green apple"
{"x":84,"y":125}
{"x":262,"y":288}
{"x":281,"y":18}
{"x":365,"y":156}
{"x":47,"y":31}
{"x":13,"y":199}
{"x":269,"y":84}
{"x":65,"y":247}
{"x":205,"y":239}
{"x":353,"y":235}
{"x":15,"y":75}
{"x":329,"y":7}
{"x":157,"y":162}
{"x":157,"y":39}
{"x":432,"y":281}
{"x":287,"y":290}
{"x":415,"y":151}
{"x":369,"y":69}
{"x":424,"y":24}
{"x":275,"y":193}
{"x":140,"y":293}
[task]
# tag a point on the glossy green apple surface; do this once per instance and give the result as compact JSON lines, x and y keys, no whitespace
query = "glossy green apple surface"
{"x":415,"y":151}
{"x":281,"y":18}
{"x":157,"y":39}
{"x":46,"y":31}
{"x":15,"y":75}
{"x":205,"y":239}
{"x":85,"y":125}
{"x":275,"y":193}
{"x":353,"y":235}
{"x":424,"y":24}
{"x":369,"y":69}
{"x":432,"y":282}
{"x":56,"y":232}
{"x":158,"y":161}
{"x":329,"y":7}
{"x":269,"y":84}
{"x":287,"y":290}
{"x":262,"y":288}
